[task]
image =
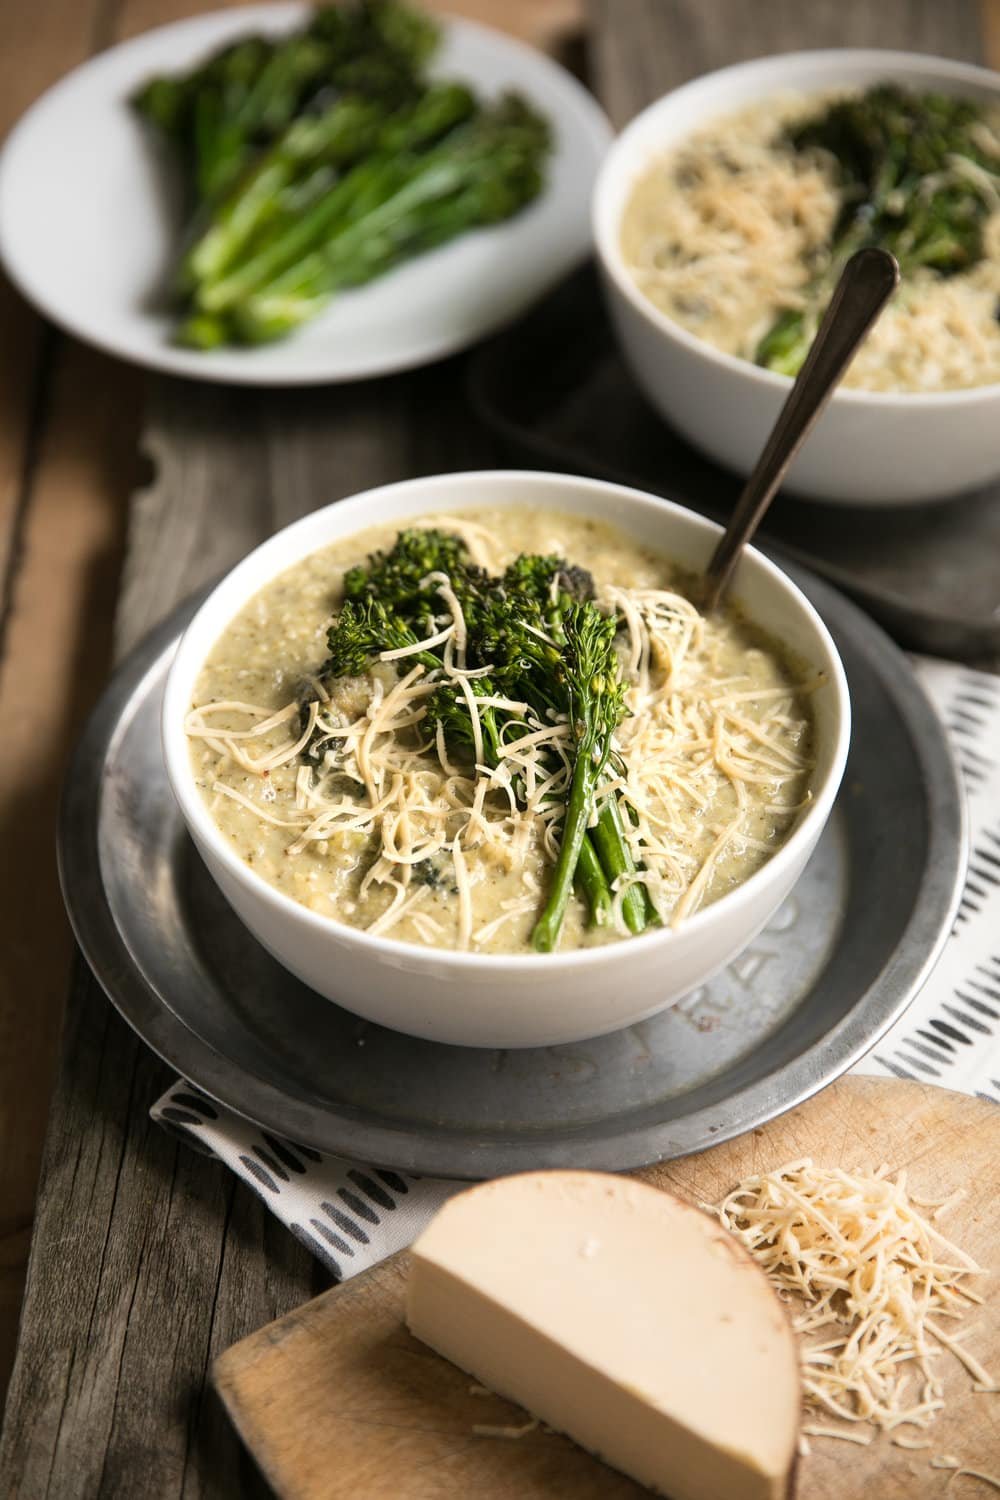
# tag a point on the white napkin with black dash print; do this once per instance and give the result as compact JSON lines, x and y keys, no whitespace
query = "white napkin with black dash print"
{"x":950,"y":1034}
{"x":351,"y":1215}
{"x":348,"y":1215}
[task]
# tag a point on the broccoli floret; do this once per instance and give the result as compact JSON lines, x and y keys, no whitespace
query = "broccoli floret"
{"x":398,"y":578}
{"x":361,"y":632}
{"x":541,"y":578}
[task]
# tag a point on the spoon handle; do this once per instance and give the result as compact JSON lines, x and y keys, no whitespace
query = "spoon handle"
{"x":866,"y":284}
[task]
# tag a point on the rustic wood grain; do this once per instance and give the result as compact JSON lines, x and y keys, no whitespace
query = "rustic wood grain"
{"x":990,"y":18}
{"x":62,"y":507}
{"x":308,"y":1393}
{"x":232,"y":466}
{"x":50,"y":674}
{"x":147,"y":1261}
{"x":19,"y":395}
{"x":543,"y":23}
{"x":641,"y":48}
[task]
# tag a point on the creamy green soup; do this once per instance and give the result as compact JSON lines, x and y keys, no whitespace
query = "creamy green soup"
{"x":383,"y":829}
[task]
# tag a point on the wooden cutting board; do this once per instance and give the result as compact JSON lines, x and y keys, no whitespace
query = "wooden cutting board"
{"x":337,"y":1400}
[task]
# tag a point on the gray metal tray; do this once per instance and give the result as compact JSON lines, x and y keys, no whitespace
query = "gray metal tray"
{"x":810,"y":996}
{"x":555,"y":389}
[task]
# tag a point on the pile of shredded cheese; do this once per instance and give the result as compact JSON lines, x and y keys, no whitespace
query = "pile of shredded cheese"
{"x":709,"y":766}
{"x":694,"y":749}
{"x":724,"y":232}
{"x":874,"y":1288}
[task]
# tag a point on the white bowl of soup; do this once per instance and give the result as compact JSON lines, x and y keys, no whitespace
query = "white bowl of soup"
{"x":405,"y":877}
{"x":708,"y":228}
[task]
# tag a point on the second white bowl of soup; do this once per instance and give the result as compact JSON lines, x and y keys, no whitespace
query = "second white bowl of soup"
{"x":706,"y":228}
{"x":402,"y":862}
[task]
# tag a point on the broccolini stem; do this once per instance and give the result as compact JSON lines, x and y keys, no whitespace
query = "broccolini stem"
{"x":431,"y":209}
{"x":616,"y":859}
{"x":369,"y":184}
{"x":787,"y":342}
{"x":203,"y":331}
{"x":578,"y":810}
{"x":592,"y":880}
{"x":334,"y":209}
{"x":594,"y":884}
{"x":343,"y":134}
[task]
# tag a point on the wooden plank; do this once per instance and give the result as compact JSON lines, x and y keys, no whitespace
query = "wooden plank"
{"x":543,"y":23}
{"x":135,"y":16}
{"x":307,"y":1392}
{"x":59,"y":523}
{"x":50,"y":673}
{"x":552,"y":25}
{"x":146,"y":1243}
{"x":990,"y":20}
{"x":40,"y":42}
{"x":233,"y":466}
{"x":642,"y":48}
{"x":19,"y":394}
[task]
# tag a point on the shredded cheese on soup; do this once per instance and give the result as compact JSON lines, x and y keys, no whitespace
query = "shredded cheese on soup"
{"x":726,"y":230}
{"x":383,"y":827}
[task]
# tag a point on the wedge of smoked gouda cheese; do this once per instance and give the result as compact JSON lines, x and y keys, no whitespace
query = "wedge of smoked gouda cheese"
{"x":622,"y":1317}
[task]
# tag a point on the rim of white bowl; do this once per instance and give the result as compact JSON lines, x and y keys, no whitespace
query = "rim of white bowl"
{"x":193,"y":650}
{"x":605,"y":226}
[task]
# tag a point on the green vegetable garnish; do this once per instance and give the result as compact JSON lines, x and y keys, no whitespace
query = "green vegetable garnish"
{"x":547,"y":645}
{"x":910,"y":171}
{"x":322,"y":159}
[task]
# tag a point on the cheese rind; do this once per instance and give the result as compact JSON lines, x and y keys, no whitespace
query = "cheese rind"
{"x":621,"y":1316}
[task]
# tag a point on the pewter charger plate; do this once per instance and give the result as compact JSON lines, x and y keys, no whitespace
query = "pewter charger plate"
{"x":815,"y":991}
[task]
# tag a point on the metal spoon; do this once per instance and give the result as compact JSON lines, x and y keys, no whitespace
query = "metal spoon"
{"x":865,"y":286}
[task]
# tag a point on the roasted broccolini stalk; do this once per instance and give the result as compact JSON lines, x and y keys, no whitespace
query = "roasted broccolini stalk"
{"x":244,"y":96}
{"x":320,"y":160}
{"x":391,"y":206}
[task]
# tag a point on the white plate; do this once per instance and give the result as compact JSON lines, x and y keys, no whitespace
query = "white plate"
{"x":89,"y":224}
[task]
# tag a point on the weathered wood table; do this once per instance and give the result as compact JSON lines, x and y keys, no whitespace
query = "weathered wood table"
{"x":147,"y":1260}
